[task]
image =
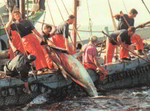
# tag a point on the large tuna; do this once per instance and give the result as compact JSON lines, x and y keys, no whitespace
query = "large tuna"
{"x":73,"y":68}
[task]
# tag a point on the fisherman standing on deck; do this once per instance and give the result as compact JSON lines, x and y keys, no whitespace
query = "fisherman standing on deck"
{"x":123,"y":38}
{"x":127,"y":20}
{"x":29,"y":40}
{"x":62,"y":33}
{"x":19,"y":66}
{"x":90,"y":58}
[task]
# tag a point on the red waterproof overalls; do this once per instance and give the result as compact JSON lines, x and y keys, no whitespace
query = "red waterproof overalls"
{"x":59,"y":41}
{"x":32,"y":45}
{"x":138,"y":40}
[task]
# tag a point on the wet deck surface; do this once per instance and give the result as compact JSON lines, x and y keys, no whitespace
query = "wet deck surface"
{"x":137,"y":99}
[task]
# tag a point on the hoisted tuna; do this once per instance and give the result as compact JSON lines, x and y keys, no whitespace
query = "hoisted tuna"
{"x":74,"y":69}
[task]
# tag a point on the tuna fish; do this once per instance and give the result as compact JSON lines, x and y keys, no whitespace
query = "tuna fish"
{"x":74,"y":69}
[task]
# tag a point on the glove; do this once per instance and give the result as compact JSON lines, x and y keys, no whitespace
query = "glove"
{"x":43,"y":43}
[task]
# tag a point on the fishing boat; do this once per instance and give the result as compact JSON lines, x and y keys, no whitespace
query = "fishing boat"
{"x":120,"y":75}
{"x":70,"y":69}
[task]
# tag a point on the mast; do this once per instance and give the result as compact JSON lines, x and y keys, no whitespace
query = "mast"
{"x":76,"y":3}
{"x":22,"y":8}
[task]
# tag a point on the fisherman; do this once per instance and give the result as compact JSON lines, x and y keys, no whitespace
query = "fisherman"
{"x":62,"y":33}
{"x":121,"y":38}
{"x":15,"y":38}
{"x":126,"y":20}
{"x":27,"y":33}
{"x":47,"y":33}
{"x":90,"y":58}
{"x":19,"y":66}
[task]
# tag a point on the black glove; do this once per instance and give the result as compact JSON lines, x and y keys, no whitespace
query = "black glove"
{"x":43,"y":43}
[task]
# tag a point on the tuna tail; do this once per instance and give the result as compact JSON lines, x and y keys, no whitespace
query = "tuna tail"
{"x":78,"y":72}
{"x":92,"y":91}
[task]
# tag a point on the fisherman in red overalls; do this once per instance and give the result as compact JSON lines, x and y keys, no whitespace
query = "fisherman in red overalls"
{"x":62,"y":33}
{"x":90,"y":58}
{"x":123,"y":38}
{"x":126,"y":20}
{"x":15,"y":40}
{"x":47,"y":33}
{"x":28,"y":38}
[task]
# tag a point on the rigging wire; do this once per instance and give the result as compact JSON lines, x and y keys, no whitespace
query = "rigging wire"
{"x":50,"y":13}
{"x":65,"y":7}
{"x":146,"y":6}
{"x":59,"y":10}
{"x":90,"y":21}
{"x":124,"y":6}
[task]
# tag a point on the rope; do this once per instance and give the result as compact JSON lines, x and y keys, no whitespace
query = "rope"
{"x":90,"y":21}
{"x":59,"y":10}
{"x":125,"y":20}
{"x":6,"y":30}
{"x":124,"y":6}
{"x":50,"y":13}
{"x":114,"y":24}
{"x":145,"y":6}
{"x":70,"y":29}
{"x":65,"y":7}
{"x":113,"y":20}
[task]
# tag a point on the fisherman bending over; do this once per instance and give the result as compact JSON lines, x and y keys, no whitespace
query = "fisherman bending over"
{"x":122,"y":38}
{"x":62,"y":33}
{"x":127,"y":20}
{"x":47,"y":33}
{"x":90,"y":58}
{"x":19,"y":66}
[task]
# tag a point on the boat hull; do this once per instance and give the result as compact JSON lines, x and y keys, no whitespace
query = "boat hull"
{"x":130,"y":74}
{"x":12,"y":91}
